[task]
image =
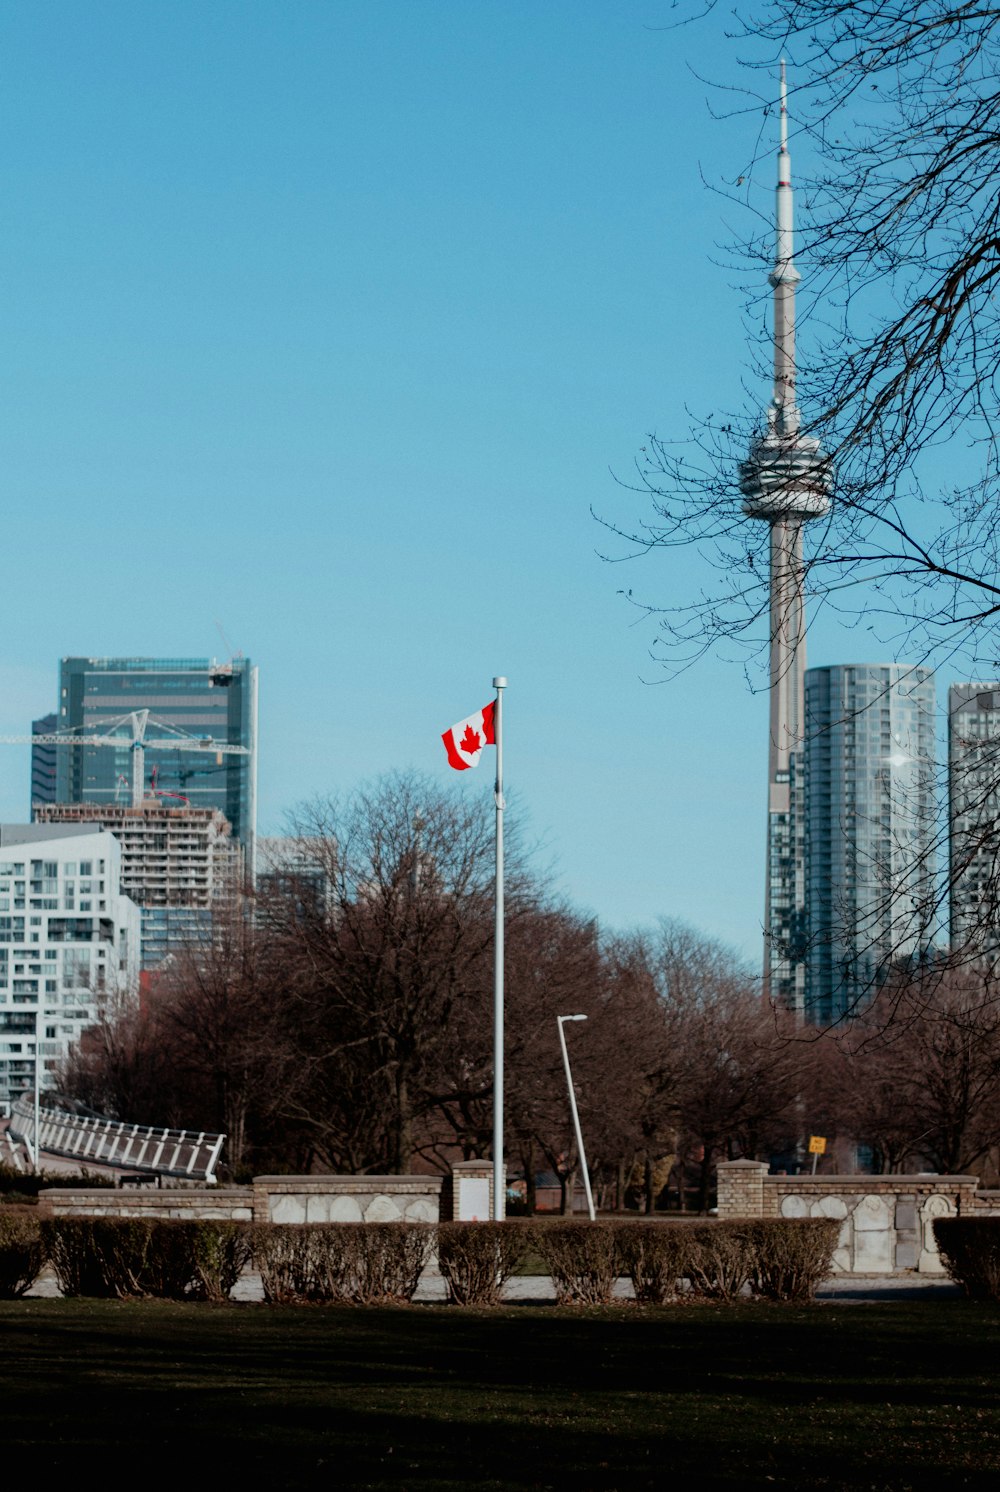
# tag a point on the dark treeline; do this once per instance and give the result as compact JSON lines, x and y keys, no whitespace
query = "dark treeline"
{"x":346,"y":1026}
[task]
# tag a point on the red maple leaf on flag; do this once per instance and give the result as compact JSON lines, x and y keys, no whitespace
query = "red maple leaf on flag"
{"x":470,"y":741}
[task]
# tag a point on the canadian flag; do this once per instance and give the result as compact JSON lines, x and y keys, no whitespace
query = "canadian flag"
{"x":465,"y":741}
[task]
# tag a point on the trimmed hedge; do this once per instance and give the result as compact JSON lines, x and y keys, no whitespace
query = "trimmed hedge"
{"x":659,"y":1257}
{"x":77,"y":1248}
{"x":381,"y":1263}
{"x":721,"y":1260}
{"x":359,"y":1263}
{"x":582,"y":1259}
{"x":477,"y":1259}
{"x":791,"y":1256}
{"x":222,"y":1250}
{"x":123,"y":1258}
{"x":778,"y":1259}
{"x":655,"y":1256}
{"x":970,"y":1251}
{"x":22,"y":1253}
{"x":284,"y":1258}
{"x":194,"y":1259}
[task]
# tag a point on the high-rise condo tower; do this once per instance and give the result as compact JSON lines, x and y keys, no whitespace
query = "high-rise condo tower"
{"x":871,"y":826}
{"x":785,"y":482}
{"x":974,"y":821}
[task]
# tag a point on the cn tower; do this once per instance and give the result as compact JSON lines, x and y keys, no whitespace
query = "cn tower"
{"x":785,"y":483}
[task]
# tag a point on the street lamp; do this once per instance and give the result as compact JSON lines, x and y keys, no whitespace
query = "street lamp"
{"x":576,"y":1117}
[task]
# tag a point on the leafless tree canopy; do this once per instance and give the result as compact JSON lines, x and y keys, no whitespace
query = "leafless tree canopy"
{"x":347,"y":1027}
{"x":923,"y":1089}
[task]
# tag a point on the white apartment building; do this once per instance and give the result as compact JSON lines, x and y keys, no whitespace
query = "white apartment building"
{"x":69,"y":939}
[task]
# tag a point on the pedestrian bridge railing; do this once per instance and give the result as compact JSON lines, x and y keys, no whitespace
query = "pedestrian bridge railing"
{"x":10,"y":1153}
{"x":110,"y":1142}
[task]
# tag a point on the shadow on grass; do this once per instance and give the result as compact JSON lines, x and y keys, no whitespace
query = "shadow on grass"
{"x":897,"y":1396}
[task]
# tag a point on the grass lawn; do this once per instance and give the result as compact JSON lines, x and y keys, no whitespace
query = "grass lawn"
{"x":872,"y":1396}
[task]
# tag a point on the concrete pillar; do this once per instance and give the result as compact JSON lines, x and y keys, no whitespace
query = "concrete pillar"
{"x":741,"y":1188}
{"x":472,"y":1191}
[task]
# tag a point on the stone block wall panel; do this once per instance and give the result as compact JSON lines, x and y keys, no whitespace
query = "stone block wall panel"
{"x":275,"y":1199}
{"x":347,"y":1199}
{"x":886,"y":1221}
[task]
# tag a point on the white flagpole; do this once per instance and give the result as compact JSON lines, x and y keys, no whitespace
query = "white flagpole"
{"x":499,"y":1183}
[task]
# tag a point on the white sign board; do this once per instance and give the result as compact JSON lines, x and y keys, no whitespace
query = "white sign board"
{"x":474,"y":1199}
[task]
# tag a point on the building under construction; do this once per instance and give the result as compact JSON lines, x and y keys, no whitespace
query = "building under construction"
{"x":179,"y":865}
{"x":199,"y":720}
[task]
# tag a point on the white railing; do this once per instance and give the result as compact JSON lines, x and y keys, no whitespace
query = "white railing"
{"x":10,"y":1153}
{"x":109,"y":1142}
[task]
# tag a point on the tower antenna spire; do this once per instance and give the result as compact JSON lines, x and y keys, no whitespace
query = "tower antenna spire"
{"x":784,"y":277}
{"x":784,"y":111}
{"x":785,"y":482}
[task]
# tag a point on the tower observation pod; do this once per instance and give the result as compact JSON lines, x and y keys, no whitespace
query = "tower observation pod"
{"x":785,"y":482}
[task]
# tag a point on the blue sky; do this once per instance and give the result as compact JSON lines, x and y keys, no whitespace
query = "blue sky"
{"x":329,"y":323}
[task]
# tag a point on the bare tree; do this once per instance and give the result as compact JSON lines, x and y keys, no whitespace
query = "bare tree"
{"x":648,"y":1105}
{"x":607,"y":1054}
{"x":220,"y":1014}
{"x":924,"y":1087}
{"x":743,"y":1073}
{"x":874,"y":1077}
{"x":209,"y":1048}
{"x":552,"y":966}
{"x":383,"y":965}
{"x":120,"y":1068}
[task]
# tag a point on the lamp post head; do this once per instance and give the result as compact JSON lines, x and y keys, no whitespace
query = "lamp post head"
{"x":562,"y":1018}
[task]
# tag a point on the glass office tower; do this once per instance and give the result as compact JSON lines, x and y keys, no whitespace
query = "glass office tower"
{"x":195,"y":695}
{"x":43,"y":762}
{"x":869,"y":829}
{"x":974,"y":820}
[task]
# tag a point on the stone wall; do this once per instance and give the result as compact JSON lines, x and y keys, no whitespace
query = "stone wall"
{"x":276,"y":1199}
{"x":234,"y":1205}
{"x":347,"y":1199}
{"x":886,"y":1221}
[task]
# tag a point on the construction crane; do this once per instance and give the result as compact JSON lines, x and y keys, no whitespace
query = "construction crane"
{"x":136,"y":723}
{"x":184,"y":774}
